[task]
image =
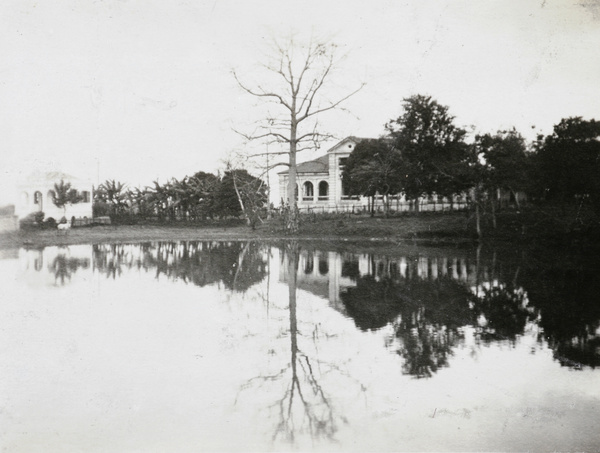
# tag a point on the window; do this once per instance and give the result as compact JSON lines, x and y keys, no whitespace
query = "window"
{"x":309,"y":192}
{"x":342,"y":162}
{"x":323,"y":190}
{"x":323,"y":265}
{"x":309,"y":264}
{"x":86,"y":196}
{"x":37,"y":198}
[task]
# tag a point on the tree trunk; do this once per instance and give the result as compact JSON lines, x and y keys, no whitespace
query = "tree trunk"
{"x":516,"y":198}
{"x":477,"y":219}
{"x":292,"y":220}
{"x":493,"y":212}
{"x":239,"y":197}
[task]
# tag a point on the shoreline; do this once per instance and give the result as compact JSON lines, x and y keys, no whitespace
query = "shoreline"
{"x":152,"y":233}
{"x":448,"y":230}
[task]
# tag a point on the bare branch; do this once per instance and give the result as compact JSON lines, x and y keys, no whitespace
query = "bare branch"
{"x":331,"y":106}
{"x":262,"y":93}
{"x":281,"y":138}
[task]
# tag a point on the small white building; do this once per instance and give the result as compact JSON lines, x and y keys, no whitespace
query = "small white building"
{"x":35,"y":194}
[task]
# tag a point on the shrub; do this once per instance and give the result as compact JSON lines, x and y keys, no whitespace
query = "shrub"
{"x":50,"y":223}
{"x":33,"y":220}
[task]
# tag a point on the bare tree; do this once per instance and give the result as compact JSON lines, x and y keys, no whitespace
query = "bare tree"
{"x":298,"y":84}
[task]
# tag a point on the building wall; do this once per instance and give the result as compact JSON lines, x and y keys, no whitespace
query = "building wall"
{"x":29,"y":202}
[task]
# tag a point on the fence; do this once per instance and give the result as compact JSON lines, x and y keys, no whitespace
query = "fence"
{"x":395,"y":207}
{"x":83,"y":221}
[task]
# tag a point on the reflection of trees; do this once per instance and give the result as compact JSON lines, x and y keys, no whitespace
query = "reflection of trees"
{"x":64,"y":267}
{"x":504,"y":311}
{"x":238,"y":265}
{"x":568,"y":296}
{"x":561,"y":294}
{"x":426,"y":315}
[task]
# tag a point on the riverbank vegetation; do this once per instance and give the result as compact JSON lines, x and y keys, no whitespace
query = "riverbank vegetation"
{"x":510,"y":190}
{"x":542,"y":225}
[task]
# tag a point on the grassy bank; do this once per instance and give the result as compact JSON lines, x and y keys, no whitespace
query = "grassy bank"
{"x":437,"y":228}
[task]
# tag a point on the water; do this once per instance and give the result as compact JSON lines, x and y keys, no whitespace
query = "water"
{"x":197,"y":346}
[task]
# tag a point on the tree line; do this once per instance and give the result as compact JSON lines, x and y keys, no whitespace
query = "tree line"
{"x":424,"y":153}
{"x":199,"y":197}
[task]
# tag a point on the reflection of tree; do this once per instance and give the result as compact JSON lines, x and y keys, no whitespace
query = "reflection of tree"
{"x":567,"y":293}
{"x":64,"y":267}
{"x":109,"y":258}
{"x":426,"y":315}
{"x":238,"y":265}
{"x":425,"y":347}
{"x":305,"y":405}
{"x":315,"y":407}
{"x":427,"y":312}
{"x":504,"y":311}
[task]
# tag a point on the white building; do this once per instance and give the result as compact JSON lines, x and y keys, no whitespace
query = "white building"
{"x":320,"y":181}
{"x":36,"y":194}
{"x":319,"y":187}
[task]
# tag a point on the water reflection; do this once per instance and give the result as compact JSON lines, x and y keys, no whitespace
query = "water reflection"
{"x":314,"y":345}
{"x":428,"y":299}
{"x":236,"y":265}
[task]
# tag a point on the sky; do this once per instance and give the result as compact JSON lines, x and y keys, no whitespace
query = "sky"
{"x":142,"y":90}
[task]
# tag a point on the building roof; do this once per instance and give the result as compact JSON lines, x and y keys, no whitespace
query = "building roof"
{"x":50,"y":177}
{"x":321,"y":164}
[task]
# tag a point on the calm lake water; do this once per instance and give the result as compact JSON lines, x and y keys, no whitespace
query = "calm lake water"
{"x":237,"y":346}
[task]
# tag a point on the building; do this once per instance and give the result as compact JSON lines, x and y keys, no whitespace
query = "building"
{"x":319,"y":187}
{"x":36,"y":195}
{"x":319,"y":184}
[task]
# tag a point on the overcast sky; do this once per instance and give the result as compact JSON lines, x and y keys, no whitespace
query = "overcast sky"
{"x":136,"y":90}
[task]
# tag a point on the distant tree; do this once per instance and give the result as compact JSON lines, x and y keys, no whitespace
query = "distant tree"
{"x":204,"y":186}
{"x":113,"y":194}
{"x":373,"y":167}
{"x":240,"y":193}
{"x":568,"y":162}
{"x":434,"y":155}
{"x":297,"y":84}
{"x":140,"y":202}
{"x":499,"y":161}
{"x":63,"y":195}
{"x":505,"y":157}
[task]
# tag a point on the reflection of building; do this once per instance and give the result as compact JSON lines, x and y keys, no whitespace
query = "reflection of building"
{"x":37,"y":191}
{"x":326,"y":273}
{"x":53,"y":266}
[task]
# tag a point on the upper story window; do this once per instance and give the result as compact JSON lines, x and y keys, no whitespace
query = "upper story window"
{"x":85,"y":196}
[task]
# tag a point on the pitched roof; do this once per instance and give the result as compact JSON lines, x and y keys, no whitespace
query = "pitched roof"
{"x":51,"y":177}
{"x":321,"y":164}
